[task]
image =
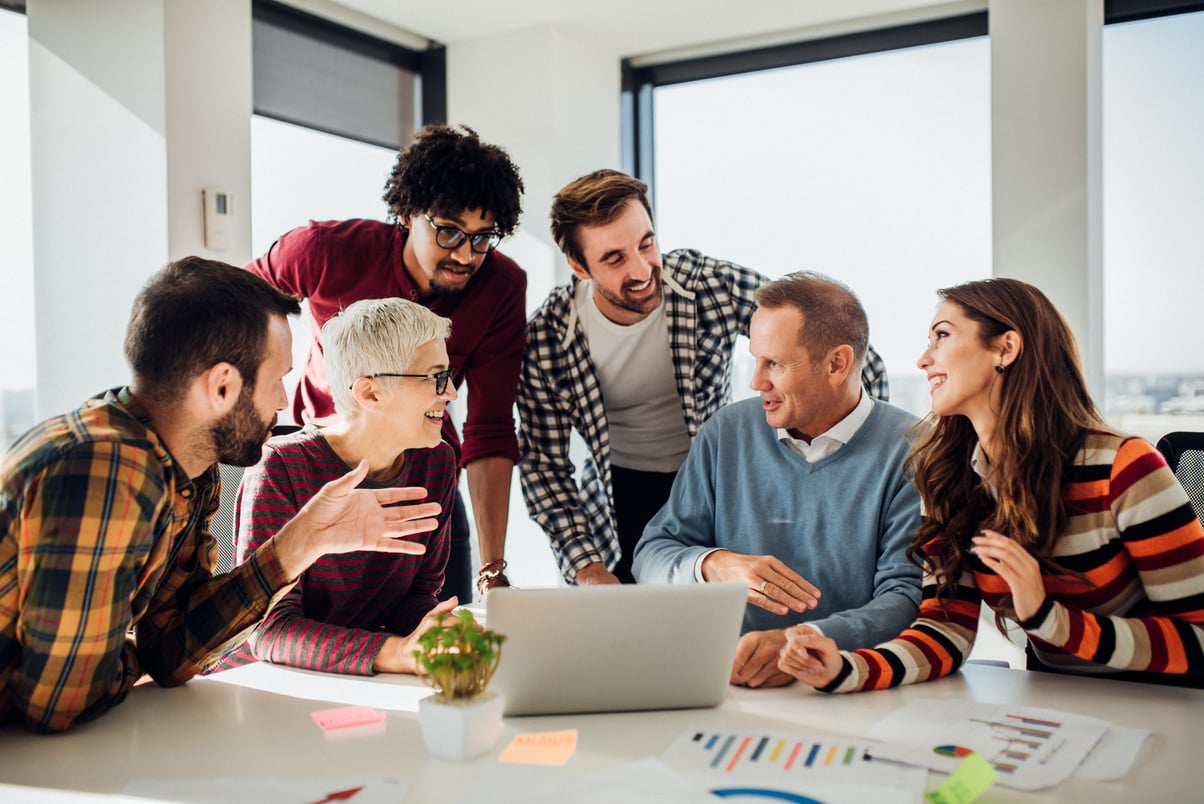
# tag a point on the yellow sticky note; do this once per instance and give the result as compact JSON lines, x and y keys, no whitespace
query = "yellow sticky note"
{"x":968,"y":781}
{"x":541,"y":748}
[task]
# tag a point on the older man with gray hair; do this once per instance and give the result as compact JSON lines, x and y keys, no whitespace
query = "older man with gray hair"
{"x":799,"y":494}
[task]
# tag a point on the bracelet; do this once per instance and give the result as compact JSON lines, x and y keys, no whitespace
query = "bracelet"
{"x":486,"y":576}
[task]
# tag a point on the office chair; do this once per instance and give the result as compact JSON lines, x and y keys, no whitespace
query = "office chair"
{"x":1184,"y":451}
{"x":222,"y":524}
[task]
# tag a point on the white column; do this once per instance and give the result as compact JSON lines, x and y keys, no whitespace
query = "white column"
{"x":1047,"y":159}
{"x":135,"y":106}
{"x":553,"y":102}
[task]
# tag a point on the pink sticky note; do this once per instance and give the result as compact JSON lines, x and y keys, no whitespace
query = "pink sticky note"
{"x":346,"y":717}
{"x":541,"y":748}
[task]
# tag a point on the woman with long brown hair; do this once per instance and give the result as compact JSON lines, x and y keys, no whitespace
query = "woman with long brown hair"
{"x":1034,"y":506}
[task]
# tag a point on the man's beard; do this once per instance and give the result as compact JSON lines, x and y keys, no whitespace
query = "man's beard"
{"x":239,"y":435}
{"x":643,"y":305}
{"x":438,"y":288}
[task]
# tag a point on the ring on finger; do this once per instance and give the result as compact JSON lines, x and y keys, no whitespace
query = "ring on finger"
{"x":764,"y":584}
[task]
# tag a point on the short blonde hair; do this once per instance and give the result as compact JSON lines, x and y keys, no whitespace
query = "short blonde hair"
{"x":375,"y":336}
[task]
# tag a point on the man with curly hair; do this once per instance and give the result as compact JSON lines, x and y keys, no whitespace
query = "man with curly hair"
{"x":452,"y":198}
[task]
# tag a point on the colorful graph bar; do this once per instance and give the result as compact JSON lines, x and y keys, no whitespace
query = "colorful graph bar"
{"x":728,"y":752}
{"x":1036,"y":722}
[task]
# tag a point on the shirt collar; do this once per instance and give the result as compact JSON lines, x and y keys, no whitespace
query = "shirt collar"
{"x":980,"y":462}
{"x":840,"y":433}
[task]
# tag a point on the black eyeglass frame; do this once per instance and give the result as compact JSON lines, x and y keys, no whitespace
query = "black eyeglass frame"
{"x":457,"y":237}
{"x":441,"y":378}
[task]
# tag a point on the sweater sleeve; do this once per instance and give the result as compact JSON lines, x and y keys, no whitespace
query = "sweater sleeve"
{"x":491,"y":372}
{"x":266,"y":502}
{"x":286,"y":265}
{"x":935,"y":645}
{"x":1163,"y":542}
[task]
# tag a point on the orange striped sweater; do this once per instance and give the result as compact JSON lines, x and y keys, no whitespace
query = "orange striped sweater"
{"x":1133,"y":536}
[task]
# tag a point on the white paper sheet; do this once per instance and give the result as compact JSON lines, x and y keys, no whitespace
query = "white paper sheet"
{"x":1031,"y":748}
{"x":1114,"y":755}
{"x":261,"y":790}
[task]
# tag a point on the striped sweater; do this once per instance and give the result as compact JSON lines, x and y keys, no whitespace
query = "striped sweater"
{"x":1132,"y":535}
{"x":344,"y":606}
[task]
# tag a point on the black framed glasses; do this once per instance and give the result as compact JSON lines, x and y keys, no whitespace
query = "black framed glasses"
{"x":451,"y":238}
{"x":441,"y":378}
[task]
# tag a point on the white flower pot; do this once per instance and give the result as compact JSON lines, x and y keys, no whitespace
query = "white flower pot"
{"x":459,"y":730}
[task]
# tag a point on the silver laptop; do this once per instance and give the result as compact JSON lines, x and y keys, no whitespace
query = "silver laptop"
{"x":615,"y":648}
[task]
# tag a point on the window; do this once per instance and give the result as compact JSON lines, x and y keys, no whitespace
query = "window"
{"x":319,"y":75}
{"x":1153,"y":204}
{"x":17,"y":368}
{"x":874,"y":169}
{"x":299,"y":175}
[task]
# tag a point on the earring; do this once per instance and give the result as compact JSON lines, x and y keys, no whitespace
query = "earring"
{"x":1000,"y":368}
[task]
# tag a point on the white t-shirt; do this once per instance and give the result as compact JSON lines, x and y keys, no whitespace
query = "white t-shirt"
{"x":635,"y":371}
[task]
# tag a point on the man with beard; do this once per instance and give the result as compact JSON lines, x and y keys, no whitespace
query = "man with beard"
{"x":634,"y":376}
{"x":104,"y":511}
{"x":452,"y":198}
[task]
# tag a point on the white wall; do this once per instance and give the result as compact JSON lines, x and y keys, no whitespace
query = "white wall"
{"x":553,"y":102}
{"x":209,"y":105}
{"x":1047,"y":159}
{"x":135,"y":105}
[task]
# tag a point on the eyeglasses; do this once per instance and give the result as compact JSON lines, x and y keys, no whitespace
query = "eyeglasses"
{"x":441,"y":378}
{"x":451,"y":238}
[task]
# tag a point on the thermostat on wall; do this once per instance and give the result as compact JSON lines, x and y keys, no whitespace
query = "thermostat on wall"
{"x":218,"y":218}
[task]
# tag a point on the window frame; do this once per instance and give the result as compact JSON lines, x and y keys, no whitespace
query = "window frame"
{"x":639,"y":81}
{"x":430,"y":65}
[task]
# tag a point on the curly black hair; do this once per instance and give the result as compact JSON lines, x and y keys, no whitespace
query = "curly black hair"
{"x":447,"y":170}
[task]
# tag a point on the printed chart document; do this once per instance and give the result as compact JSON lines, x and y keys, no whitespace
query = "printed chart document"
{"x":741,"y":766}
{"x":1031,"y":748}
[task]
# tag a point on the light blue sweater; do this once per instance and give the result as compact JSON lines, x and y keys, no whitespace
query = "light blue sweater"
{"x":843,"y":523}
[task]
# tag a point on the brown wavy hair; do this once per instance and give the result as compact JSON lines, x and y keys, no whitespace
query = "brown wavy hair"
{"x":1044,"y":413}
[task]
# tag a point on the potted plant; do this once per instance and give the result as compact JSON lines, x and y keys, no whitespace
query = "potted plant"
{"x":457,"y":659}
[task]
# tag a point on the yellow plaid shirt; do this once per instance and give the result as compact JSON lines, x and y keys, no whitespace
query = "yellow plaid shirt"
{"x":101,"y":533}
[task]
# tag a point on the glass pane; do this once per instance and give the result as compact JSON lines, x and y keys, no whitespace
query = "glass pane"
{"x":1153,"y":238}
{"x":874,"y":169}
{"x":17,"y":367}
{"x":298,"y":175}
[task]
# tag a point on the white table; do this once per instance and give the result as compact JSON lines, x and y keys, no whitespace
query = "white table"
{"x":230,"y":726}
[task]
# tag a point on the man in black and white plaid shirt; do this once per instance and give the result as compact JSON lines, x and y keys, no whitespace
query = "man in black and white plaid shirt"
{"x":634,"y":354}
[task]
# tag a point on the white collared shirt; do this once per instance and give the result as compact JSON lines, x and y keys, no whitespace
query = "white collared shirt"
{"x":980,"y":462}
{"x":834,"y":437}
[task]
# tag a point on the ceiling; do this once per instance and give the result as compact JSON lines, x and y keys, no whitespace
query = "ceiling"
{"x":648,"y":30}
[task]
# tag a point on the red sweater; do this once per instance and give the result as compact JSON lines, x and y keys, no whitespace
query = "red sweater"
{"x":344,"y":606}
{"x":332,"y":264}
